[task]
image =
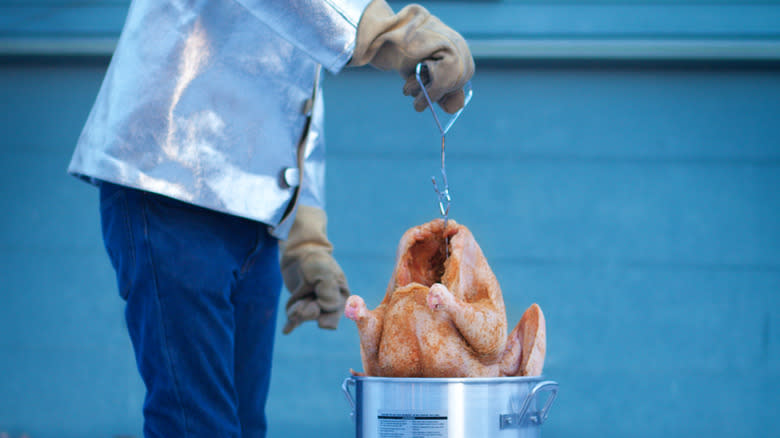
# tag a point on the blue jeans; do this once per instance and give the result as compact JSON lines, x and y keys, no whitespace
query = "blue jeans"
{"x":201,"y":289}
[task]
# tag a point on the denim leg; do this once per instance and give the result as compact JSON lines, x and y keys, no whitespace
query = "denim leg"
{"x":255,"y":299}
{"x":177,"y":267}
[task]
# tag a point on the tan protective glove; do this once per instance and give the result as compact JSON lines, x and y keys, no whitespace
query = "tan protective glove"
{"x":316,"y":282}
{"x":400,"y":41}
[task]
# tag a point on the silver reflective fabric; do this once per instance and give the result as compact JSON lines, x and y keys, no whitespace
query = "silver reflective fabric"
{"x":204,"y":101}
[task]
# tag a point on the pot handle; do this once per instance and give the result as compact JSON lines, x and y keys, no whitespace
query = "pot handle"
{"x":348,"y":394}
{"x":509,"y":421}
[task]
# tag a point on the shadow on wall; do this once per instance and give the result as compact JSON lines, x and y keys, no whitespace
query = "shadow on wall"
{"x":8,"y":435}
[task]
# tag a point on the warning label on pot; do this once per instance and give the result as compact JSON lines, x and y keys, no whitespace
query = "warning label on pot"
{"x":412,"y":425}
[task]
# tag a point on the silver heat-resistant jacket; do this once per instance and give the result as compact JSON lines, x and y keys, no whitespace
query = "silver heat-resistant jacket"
{"x":206,"y":101}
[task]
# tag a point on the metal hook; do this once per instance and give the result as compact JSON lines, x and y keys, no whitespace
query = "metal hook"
{"x":442,"y":193}
{"x":418,"y":71}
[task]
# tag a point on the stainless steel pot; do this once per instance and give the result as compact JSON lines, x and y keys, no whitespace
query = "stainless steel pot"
{"x":384,"y":407}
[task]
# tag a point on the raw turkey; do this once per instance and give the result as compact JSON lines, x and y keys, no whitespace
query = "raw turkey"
{"x":443,"y":314}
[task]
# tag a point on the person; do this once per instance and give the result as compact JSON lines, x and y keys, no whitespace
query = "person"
{"x":206,"y":142}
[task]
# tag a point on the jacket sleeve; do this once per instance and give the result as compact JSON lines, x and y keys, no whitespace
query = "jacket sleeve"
{"x":324,"y":29}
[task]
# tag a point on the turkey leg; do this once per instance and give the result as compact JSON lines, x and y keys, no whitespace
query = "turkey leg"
{"x":369,"y":324}
{"x":526,"y":345}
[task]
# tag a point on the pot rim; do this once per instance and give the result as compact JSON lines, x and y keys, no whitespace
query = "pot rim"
{"x":466,"y":380}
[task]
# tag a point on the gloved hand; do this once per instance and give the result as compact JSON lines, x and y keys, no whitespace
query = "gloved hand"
{"x":400,"y":41}
{"x":316,"y":282}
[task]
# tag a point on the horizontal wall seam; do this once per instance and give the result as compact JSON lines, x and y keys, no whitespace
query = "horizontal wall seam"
{"x":518,"y":158}
{"x":487,"y":48}
{"x":627,"y":49}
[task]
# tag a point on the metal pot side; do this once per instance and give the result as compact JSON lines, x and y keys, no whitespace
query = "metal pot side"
{"x":500,"y":407}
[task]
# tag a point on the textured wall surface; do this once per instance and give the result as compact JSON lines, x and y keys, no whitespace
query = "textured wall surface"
{"x":637,"y":202}
{"x":638,"y":206}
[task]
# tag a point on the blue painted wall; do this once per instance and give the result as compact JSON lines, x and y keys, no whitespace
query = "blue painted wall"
{"x":636,"y":202}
